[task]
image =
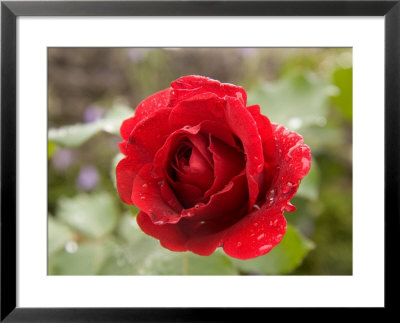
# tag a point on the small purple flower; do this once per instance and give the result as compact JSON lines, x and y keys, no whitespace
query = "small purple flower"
{"x":92,"y":113}
{"x":88,"y":178}
{"x":62,"y":159}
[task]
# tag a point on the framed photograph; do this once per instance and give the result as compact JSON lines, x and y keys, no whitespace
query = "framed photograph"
{"x":186,"y":160}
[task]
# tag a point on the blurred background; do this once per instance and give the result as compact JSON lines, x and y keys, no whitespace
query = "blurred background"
{"x":90,"y":92}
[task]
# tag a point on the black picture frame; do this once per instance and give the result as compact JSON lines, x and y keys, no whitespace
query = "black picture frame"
{"x":11,"y":10}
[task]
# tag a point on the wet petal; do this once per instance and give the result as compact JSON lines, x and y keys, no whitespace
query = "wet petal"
{"x":146,"y":195}
{"x":126,"y":171}
{"x":189,"y":86}
{"x":145,"y":108}
{"x":170,"y":235}
{"x":256,"y":234}
{"x":228,"y":162}
{"x":150,"y":134}
{"x":293,"y":161}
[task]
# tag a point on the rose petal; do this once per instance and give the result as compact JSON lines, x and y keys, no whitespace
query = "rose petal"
{"x":228,"y":162}
{"x":149,"y":134}
{"x":125,"y":173}
{"x":256,"y":234}
{"x":146,"y":195}
{"x":198,"y":172}
{"x":189,"y":86}
{"x":222,"y":204}
{"x":187,"y":194}
{"x":293,"y":160}
{"x":170,"y":235}
{"x":145,"y":108}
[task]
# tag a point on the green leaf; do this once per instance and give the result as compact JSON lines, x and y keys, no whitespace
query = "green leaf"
{"x":215,"y":264}
{"x":138,"y":254}
{"x":76,"y":135}
{"x":295,"y":101}
{"x":83,"y":259}
{"x":343,"y":79}
{"x":309,"y":186}
{"x":92,"y":215}
{"x":282,"y":259}
{"x":58,"y":234}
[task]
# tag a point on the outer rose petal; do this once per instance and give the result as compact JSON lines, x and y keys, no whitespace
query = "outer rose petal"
{"x":293,"y":161}
{"x":125,"y":173}
{"x":170,"y":235}
{"x":256,"y":234}
{"x":144,"y":138}
{"x":145,"y":108}
{"x":147,"y":196}
{"x":189,"y":86}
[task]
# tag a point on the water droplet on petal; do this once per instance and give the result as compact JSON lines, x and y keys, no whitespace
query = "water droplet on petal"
{"x":306,"y":163}
{"x":239,"y":244}
{"x":265,"y":247}
{"x":262,"y":235}
{"x":142,"y":197}
{"x":260,"y":168}
{"x":255,"y":224}
{"x":256,"y":207}
{"x":196,"y":206}
{"x":144,"y":185}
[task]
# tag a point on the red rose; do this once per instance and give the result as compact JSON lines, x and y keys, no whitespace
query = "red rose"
{"x":206,"y":171}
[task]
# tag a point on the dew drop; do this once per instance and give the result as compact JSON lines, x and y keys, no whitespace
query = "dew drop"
{"x":288,"y":187}
{"x":159,"y":222}
{"x":71,"y":246}
{"x":305,"y":163}
{"x":271,"y":197}
{"x":239,"y":244}
{"x":196,"y":206}
{"x":256,"y":207}
{"x":262,"y":235}
{"x":265,"y":247}
{"x":142,"y":197}
{"x":260,"y":168}
{"x":144,"y":185}
{"x":202,"y":222}
{"x":255,"y":224}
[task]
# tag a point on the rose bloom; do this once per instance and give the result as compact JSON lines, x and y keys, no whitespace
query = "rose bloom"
{"x":207,"y":171}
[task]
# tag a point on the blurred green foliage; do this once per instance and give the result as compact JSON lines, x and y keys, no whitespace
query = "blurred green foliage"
{"x":91,"y":90}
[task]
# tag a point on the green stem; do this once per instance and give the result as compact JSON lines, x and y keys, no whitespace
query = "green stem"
{"x":185,"y":264}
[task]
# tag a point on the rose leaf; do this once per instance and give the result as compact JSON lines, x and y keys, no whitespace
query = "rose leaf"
{"x":93,"y":215}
